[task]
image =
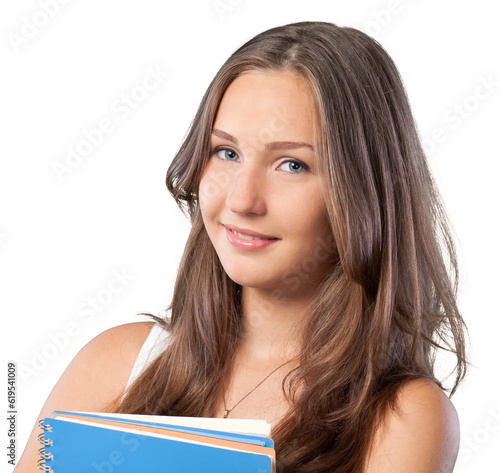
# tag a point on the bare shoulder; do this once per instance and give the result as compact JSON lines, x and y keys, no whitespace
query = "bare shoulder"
{"x":96,"y":376}
{"x":119,"y":345}
{"x":101,"y":369}
{"x":421,"y":435}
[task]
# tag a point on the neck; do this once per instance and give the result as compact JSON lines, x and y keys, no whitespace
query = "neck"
{"x":272,"y":326}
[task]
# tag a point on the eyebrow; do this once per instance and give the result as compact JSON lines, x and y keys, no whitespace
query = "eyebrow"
{"x":275,"y":145}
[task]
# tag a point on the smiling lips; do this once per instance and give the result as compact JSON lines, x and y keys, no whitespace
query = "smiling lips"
{"x":248,"y":239}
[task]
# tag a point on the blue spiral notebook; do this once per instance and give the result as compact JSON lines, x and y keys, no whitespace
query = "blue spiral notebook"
{"x":80,"y":442}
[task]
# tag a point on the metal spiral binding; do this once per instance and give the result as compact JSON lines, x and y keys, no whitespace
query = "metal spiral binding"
{"x":41,"y":451}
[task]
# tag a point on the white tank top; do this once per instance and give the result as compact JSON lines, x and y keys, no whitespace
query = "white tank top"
{"x":154,"y":344}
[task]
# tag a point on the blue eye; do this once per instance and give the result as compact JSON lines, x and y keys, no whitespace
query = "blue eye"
{"x":294,"y":167}
{"x":226,"y":154}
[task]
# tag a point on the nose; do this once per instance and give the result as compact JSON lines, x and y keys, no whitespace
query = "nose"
{"x":246,"y":192}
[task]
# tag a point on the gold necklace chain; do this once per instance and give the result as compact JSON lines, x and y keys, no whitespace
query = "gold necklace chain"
{"x":227,"y":411}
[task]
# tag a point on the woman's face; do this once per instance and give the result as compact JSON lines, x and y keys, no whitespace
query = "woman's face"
{"x":260,"y":193}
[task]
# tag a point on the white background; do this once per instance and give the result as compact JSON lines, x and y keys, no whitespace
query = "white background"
{"x":61,"y":240}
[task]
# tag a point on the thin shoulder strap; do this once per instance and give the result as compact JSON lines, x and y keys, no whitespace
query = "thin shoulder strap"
{"x":154,"y":344}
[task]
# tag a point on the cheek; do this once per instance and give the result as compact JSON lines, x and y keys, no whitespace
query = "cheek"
{"x":203,"y":195}
{"x":313,"y":225}
{"x":307,"y":211}
{"x":212,"y":201}
{"x":207,"y":208}
{"x":213,"y":185}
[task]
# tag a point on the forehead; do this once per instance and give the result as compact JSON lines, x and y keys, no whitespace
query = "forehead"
{"x":278,"y":105}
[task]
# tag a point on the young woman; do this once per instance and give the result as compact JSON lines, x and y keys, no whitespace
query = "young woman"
{"x":313,"y":291}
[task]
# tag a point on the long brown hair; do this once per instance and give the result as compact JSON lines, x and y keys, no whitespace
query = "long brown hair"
{"x":389,"y":301}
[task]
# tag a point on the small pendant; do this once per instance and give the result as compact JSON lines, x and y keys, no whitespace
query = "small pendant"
{"x":226,"y":413}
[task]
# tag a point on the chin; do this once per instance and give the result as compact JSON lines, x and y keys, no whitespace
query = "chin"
{"x":246,"y":281}
{"x":248,"y":278}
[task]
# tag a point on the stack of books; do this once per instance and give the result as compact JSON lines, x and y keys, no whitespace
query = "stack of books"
{"x":80,"y":442}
